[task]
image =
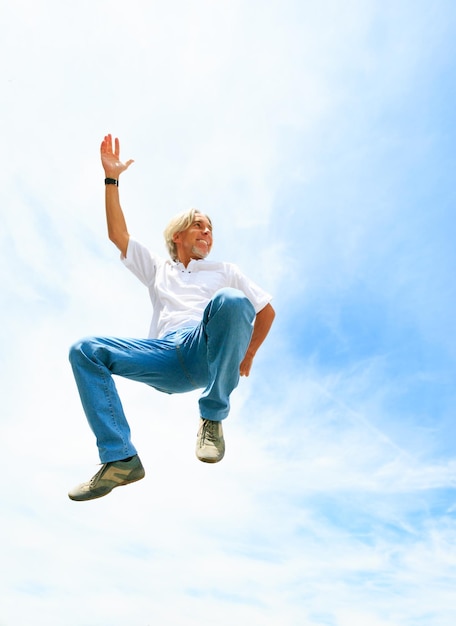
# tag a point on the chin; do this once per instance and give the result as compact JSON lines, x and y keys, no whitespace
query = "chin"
{"x":200,"y":254}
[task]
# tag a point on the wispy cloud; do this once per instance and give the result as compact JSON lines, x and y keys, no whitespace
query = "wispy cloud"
{"x":319,"y":139}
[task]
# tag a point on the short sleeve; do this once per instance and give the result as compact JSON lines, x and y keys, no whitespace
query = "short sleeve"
{"x":141,"y":262}
{"x":257,"y":296}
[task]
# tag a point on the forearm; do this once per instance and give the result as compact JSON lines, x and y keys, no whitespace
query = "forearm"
{"x":115,"y":219}
{"x":261,"y":328}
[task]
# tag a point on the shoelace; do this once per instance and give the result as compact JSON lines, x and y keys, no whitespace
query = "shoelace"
{"x":94,"y":479}
{"x":209,"y":431}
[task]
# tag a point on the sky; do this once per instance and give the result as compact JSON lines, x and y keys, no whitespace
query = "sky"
{"x":319,"y":137}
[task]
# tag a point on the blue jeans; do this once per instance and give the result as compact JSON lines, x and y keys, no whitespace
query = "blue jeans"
{"x":207,"y":356}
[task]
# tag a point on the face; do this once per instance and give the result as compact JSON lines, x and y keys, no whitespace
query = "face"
{"x":196,"y":241}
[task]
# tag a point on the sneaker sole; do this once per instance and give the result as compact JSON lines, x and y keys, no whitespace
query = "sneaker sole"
{"x":209,"y":460}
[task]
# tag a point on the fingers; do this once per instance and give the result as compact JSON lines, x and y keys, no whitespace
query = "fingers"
{"x":106,"y":145}
{"x":108,"y":153}
{"x":244,"y":370}
{"x":246,"y":365}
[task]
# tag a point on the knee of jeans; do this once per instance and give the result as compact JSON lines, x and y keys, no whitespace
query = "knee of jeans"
{"x":79,"y":348}
{"x":233,"y":299}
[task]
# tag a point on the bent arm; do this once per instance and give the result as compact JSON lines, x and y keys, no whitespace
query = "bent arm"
{"x":113,"y":167}
{"x":261,"y":327}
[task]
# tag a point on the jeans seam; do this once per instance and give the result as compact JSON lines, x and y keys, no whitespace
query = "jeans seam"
{"x":106,"y":379}
{"x":184,"y":367}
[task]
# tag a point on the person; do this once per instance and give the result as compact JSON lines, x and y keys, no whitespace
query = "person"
{"x":208,"y":322}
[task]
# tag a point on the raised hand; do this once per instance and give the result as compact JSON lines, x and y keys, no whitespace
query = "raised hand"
{"x":110,"y":158}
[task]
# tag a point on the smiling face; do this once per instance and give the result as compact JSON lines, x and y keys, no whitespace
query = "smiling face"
{"x":195,"y":242}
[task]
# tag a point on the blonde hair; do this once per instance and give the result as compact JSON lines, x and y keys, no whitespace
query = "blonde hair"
{"x":177,"y":224}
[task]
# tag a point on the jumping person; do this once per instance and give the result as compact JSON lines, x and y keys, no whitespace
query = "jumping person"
{"x":208,"y":322}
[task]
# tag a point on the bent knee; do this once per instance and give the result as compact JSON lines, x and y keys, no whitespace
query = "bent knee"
{"x":229,"y":295}
{"x":233,"y":299}
{"x":80,"y":347}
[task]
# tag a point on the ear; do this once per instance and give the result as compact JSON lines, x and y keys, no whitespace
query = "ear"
{"x":176,"y":237}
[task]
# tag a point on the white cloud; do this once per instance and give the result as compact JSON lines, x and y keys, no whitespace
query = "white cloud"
{"x":287,"y":123}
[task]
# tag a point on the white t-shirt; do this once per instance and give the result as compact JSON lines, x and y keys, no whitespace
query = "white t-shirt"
{"x":180,"y":294}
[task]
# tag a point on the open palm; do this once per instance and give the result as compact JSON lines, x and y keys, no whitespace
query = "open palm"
{"x":110,"y":158}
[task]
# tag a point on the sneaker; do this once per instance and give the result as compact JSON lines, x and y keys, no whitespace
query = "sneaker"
{"x":113,"y":474}
{"x":210,"y":445}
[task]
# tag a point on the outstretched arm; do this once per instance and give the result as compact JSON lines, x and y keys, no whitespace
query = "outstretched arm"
{"x":261,"y":326}
{"x":113,"y":167}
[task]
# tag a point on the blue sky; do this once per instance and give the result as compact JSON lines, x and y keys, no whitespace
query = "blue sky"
{"x":319,"y":137}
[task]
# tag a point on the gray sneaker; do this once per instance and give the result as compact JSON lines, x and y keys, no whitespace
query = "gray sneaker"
{"x":210,"y":445}
{"x":113,"y":474}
